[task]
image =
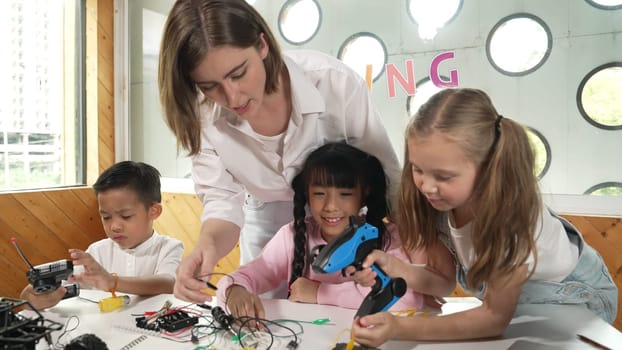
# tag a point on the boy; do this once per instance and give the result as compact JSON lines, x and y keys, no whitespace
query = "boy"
{"x":134,"y":258}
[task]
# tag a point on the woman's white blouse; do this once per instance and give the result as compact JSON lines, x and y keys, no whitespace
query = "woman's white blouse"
{"x":330,"y":103}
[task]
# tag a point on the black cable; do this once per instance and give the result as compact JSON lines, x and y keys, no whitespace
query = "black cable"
{"x":195,"y":333}
{"x":221,"y":320}
{"x":208,"y":276}
{"x":243,"y":321}
{"x":66,"y":330}
{"x":246,"y":319}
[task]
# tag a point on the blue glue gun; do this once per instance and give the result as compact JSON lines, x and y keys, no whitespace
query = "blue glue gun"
{"x":350,"y":249}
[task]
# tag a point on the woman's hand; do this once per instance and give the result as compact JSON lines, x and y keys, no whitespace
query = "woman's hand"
{"x":304,"y":290}
{"x":187,"y":286}
{"x":217,"y":239}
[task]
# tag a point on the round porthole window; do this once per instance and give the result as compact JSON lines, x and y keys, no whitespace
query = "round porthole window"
{"x":606,"y":189}
{"x":432,"y":15}
{"x":518,"y":44}
{"x":425,"y":90}
{"x":606,"y":4}
{"x":361,"y":50}
{"x":299,"y":20}
{"x":541,"y":152}
{"x":598,"y":96}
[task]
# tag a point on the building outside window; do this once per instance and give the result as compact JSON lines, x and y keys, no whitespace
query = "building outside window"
{"x":41,"y":95}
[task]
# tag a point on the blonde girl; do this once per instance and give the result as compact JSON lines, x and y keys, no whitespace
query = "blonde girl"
{"x":468,"y":181}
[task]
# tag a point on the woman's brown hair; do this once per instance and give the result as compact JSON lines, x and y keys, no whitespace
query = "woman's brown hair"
{"x":191,"y":29}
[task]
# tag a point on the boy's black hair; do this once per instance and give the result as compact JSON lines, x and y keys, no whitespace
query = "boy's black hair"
{"x":340,"y":165}
{"x":139,"y":177}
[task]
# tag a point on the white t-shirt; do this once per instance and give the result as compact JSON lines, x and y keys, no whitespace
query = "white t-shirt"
{"x":557,"y":256}
{"x":273,"y":143}
{"x":158,"y":255}
{"x":330,"y":102}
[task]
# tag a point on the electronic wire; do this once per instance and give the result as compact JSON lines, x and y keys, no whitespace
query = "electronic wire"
{"x":59,"y":344}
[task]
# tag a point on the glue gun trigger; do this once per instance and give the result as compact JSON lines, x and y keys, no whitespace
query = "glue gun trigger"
{"x":377,"y":285}
{"x":358,"y":266}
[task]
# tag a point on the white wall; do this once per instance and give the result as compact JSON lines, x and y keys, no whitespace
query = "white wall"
{"x":583,"y":38}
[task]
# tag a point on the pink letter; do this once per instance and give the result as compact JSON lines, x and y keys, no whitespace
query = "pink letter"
{"x":436,"y":78}
{"x":407,"y":85}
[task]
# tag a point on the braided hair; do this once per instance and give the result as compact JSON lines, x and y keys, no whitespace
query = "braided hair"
{"x":338,"y":165}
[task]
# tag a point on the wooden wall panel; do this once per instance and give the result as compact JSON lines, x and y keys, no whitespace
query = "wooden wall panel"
{"x":105,"y":84}
{"x":99,"y":87}
{"x":605,"y":235}
{"x":46,"y":224}
{"x":181,"y":217}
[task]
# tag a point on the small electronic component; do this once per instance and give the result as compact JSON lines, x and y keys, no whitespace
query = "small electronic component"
{"x":113,"y":303}
{"x":18,"y":331}
{"x":73,"y":290}
{"x":169,"y":322}
{"x":48,"y":277}
{"x":177,"y":320}
{"x":222,"y":317}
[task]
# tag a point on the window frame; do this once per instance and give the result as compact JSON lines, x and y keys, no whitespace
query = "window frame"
{"x":508,"y":18}
{"x":580,"y":88}
{"x":317,"y":28}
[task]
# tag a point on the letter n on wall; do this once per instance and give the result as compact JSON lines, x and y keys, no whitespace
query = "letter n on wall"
{"x":407,"y":84}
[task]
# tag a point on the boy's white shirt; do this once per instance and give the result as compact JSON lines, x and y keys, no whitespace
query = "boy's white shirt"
{"x":160,"y":254}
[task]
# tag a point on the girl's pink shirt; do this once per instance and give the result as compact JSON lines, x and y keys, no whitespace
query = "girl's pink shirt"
{"x":273,"y":266}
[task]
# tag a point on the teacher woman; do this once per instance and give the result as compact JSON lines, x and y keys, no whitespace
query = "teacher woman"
{"x":249,"y":115}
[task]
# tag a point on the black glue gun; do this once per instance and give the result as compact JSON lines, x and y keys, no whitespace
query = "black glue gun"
{"x":350,"y":249}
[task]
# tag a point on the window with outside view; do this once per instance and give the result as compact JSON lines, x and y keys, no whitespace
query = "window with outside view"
{"x":41,"y":97}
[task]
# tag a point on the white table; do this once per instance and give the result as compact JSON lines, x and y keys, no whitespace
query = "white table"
{"x":534,"y":327}
{"x":544,"y":327}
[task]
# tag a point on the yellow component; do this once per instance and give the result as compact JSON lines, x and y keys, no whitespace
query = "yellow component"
{"x":341,"y":332}
{"x":113,"y":303}
{"x":350,"y":344}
